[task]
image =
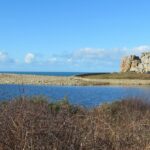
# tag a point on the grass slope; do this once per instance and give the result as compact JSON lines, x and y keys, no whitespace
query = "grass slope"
{"x":129,"y":75}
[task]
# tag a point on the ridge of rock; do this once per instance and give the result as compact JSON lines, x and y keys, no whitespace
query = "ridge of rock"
{"x":135,"y":63}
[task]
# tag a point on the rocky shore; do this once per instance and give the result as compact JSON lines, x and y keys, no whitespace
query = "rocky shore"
{"x":47,"y":80}
{"x":66,"y":81}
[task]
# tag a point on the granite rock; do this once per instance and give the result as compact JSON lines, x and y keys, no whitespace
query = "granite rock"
{"x":134,"y":63}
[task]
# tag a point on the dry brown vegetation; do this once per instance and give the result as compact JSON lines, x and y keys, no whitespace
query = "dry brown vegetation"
{"x":35,"y":124}
{"x":127,"y":75}
{"x":79,"y":80}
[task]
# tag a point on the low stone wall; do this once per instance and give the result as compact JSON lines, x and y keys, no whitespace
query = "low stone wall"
{"x":134,"y":63}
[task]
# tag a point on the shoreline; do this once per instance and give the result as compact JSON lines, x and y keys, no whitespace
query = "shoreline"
{"x":66,"y":81}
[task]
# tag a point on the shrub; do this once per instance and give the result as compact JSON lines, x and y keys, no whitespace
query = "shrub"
{"x":34,"y":123}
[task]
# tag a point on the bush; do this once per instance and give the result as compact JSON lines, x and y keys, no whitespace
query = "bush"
{"x":34,"y":123}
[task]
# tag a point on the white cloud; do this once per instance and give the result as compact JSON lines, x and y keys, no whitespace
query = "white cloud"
{"x":3,"y":56}
{"x":135,"y":50}
{"x":29,"y":58}
{"x":89,"y":53}
{"x":142,"y":48}
{"x":83,"y":58}
{"x":52,"y":60}
{"x":100,"y":57}
{"x":69,"y":60}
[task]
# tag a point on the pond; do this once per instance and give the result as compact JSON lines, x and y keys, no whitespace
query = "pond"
{"x":88,"y":96}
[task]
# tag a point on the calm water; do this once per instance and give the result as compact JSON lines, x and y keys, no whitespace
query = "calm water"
{"x":87,"y":96}
{"x":46,"y":73}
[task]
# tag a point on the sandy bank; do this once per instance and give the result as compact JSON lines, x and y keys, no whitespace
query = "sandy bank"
{"x":70,"y":81}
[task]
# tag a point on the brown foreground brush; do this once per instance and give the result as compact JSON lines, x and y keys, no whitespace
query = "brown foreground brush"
{"x":35,"y":124}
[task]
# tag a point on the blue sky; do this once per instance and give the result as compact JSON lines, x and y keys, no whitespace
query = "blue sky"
{"x":71,"y":35}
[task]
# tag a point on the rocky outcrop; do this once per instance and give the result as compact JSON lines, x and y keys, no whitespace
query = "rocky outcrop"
{"x":134,"y":63}
{"x":130,"y":63}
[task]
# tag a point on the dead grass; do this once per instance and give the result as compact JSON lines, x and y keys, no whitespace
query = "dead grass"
{"x":128,"y":75}
{"x":35,"y":124}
